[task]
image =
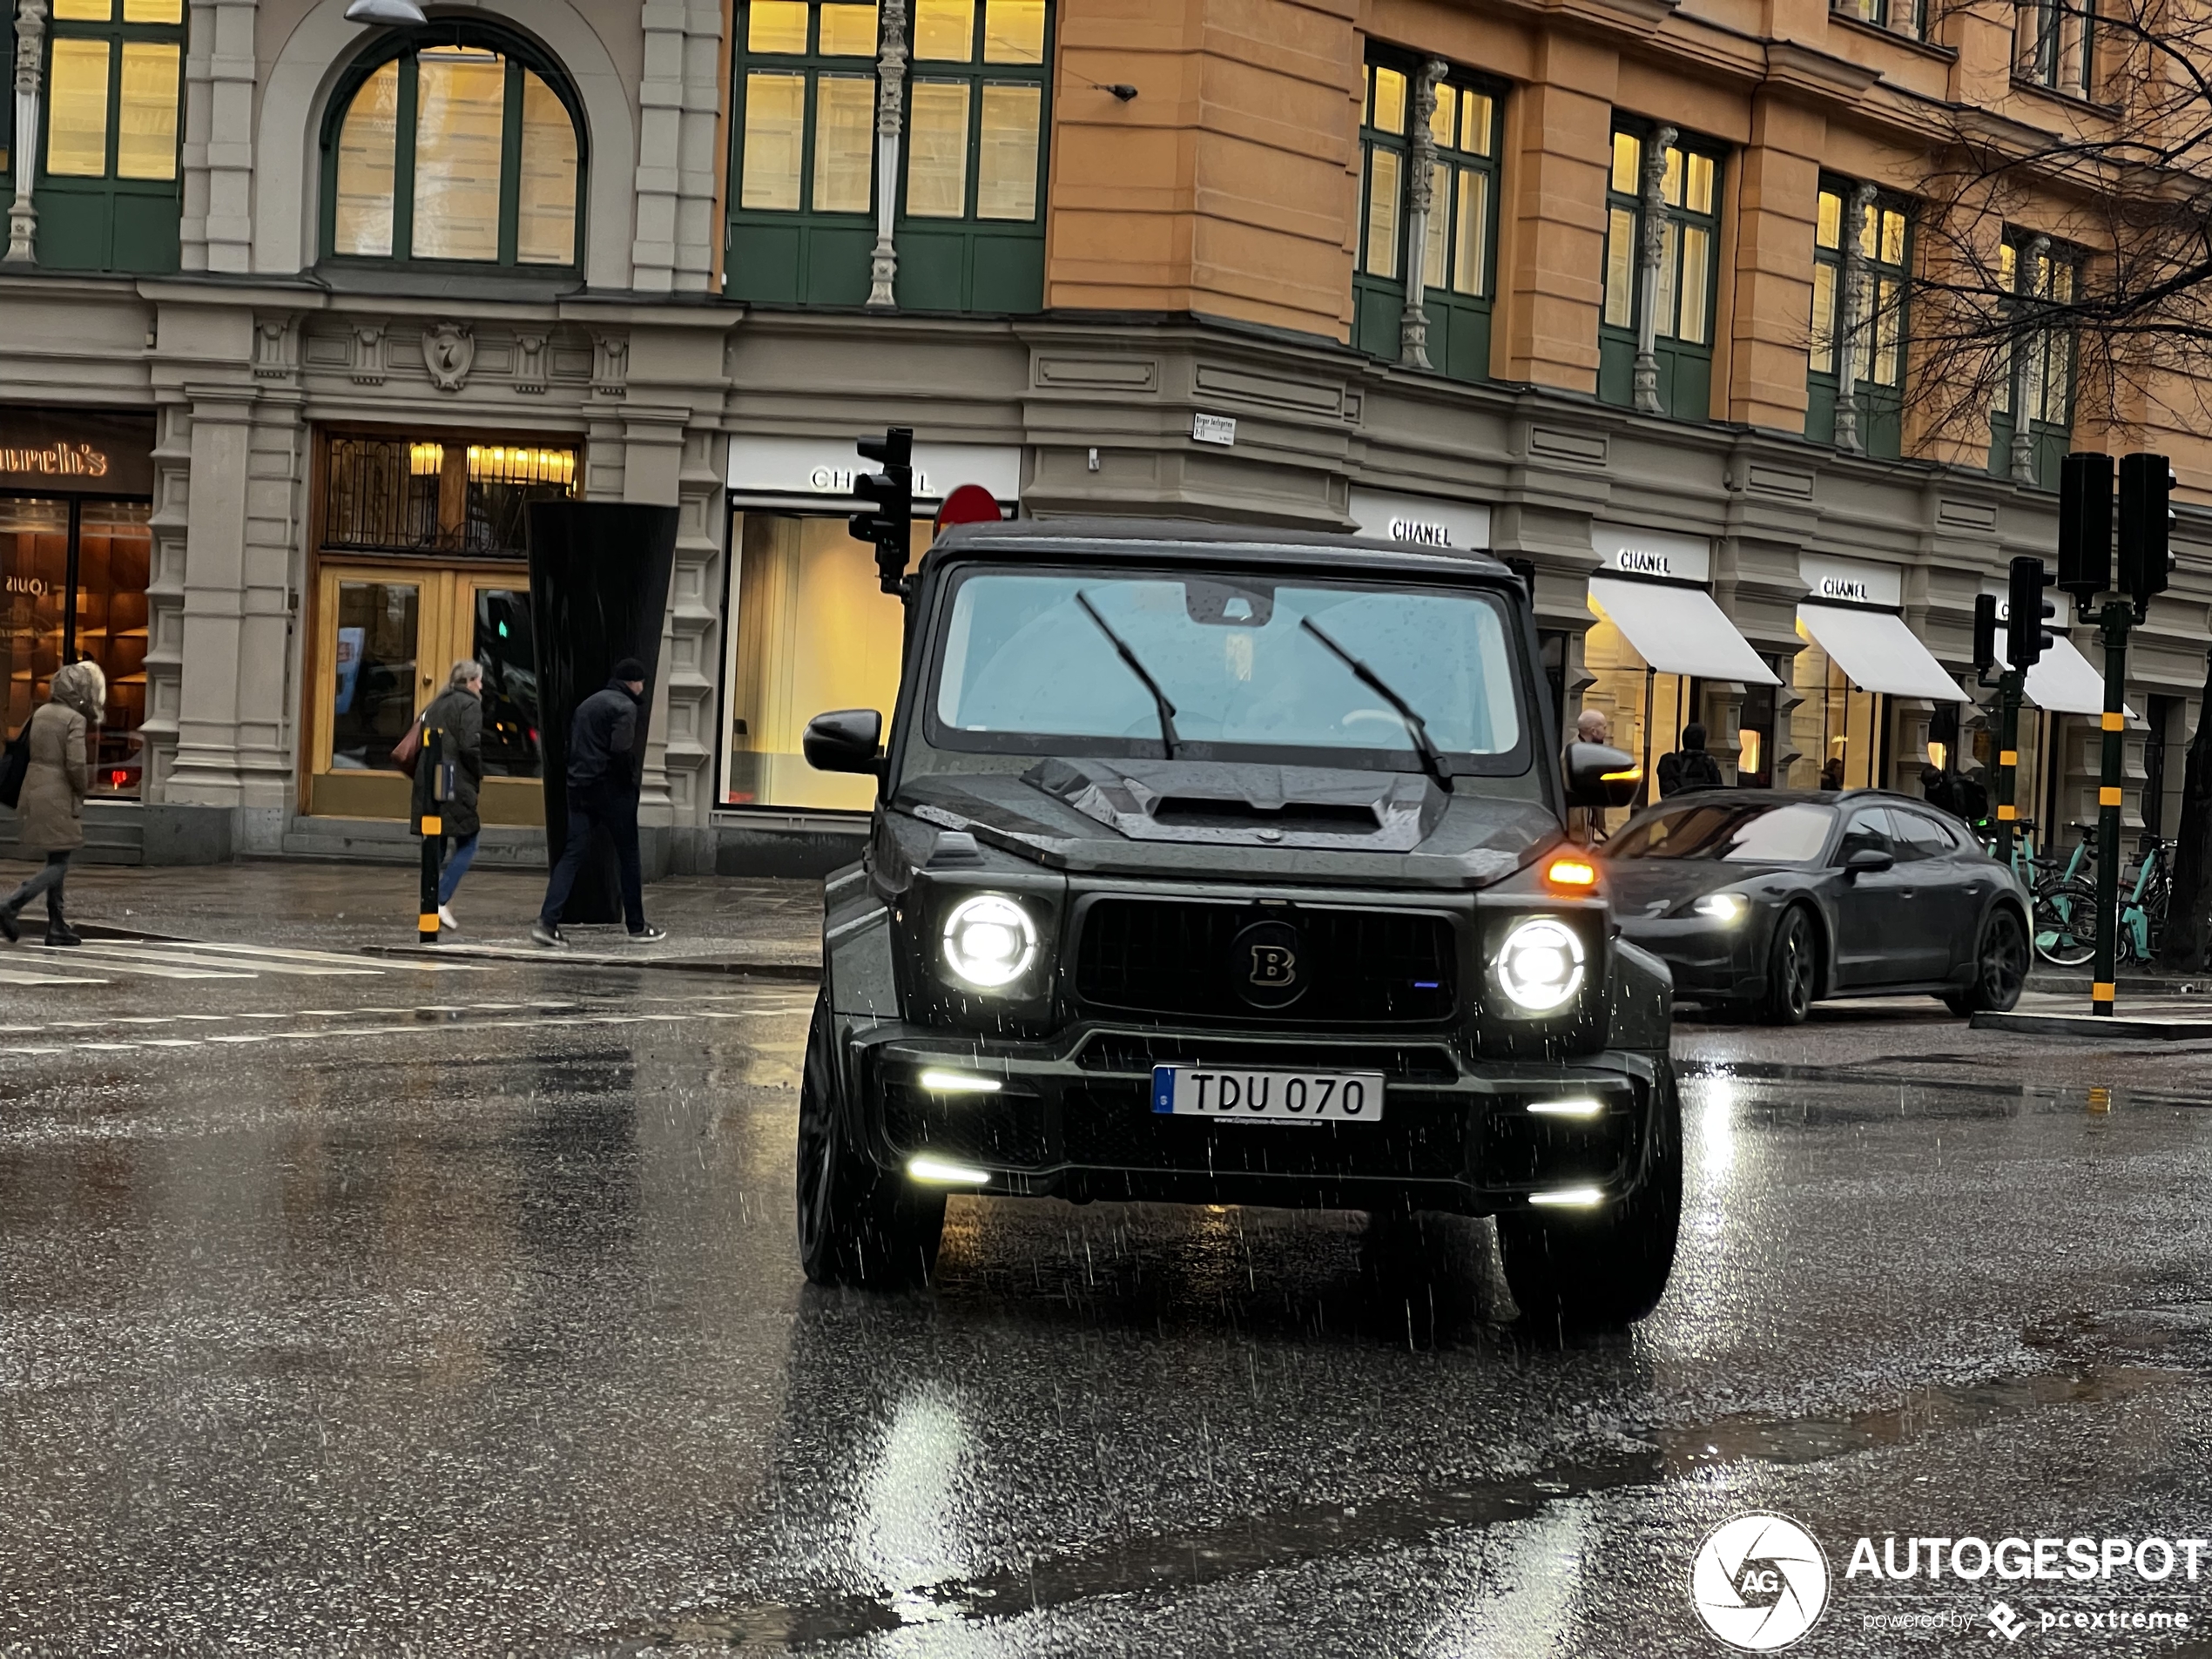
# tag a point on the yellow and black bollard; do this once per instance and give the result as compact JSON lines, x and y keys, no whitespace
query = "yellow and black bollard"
{"x":431,"y":827}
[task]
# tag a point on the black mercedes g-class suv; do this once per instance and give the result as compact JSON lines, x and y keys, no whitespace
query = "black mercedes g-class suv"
{"x":1226,"y":866}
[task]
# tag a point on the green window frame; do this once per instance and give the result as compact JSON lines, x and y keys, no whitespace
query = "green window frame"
{"x":969,"y":219}
{"x":2055,"y":43}
{"x":1899,"y":16}
{"x":418,"y":171}
{"x":1884,"y":234}
{"x":107,"y":181}
{"x":2042,"y":367}
{"x":1460,"y":254}
{"x":1687,"y":300}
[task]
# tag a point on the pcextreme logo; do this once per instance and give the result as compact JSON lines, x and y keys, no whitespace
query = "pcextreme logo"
{"x":1759,"y":1582}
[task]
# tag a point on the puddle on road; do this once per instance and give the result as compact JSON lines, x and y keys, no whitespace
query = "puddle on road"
{"x":1285,"y":1538}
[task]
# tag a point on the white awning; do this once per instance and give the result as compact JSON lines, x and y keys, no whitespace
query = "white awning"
{"x":1679,"y":630}
{"x":2062,"y":681}
{"x":1878,"y":652}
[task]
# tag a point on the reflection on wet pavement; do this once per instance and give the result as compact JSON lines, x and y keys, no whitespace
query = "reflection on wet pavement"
{"x":468,"y":1321}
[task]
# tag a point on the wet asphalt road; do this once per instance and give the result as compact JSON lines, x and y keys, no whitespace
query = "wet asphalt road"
{"x":457,"y":1312}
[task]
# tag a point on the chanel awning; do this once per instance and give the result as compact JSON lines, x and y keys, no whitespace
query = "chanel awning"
{"x":2064,"y":682}
{"x":1678,"y":631}
{"x":1877,"y":651}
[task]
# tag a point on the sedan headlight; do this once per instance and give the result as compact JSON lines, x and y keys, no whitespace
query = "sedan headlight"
{"x":1540,"y":965}
{"x":989,"y":941}
{"x":1722,"y":907}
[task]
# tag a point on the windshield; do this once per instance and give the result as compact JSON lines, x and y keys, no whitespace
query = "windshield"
{"x":1751,"y":834}
{"x":1057,"y":662}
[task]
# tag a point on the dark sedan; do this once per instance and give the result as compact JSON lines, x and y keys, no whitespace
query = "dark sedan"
{"x":1767,"y":901}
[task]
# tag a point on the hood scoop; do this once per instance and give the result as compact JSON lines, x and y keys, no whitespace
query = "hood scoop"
{"x":1246,"y":806}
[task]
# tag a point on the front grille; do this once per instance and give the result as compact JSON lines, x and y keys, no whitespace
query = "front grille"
{"x":1115,"y":1126}
{"x":997,"y":1128}
{"x":1175,"y":958}
{"x":1134,"y":1051}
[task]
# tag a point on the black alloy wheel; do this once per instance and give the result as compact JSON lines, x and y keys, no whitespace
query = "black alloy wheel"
{"x":2000,"y":967}
{"x":1604,"y":1268}
{"x":858,"y":1224}
{"x":1792,"y":969}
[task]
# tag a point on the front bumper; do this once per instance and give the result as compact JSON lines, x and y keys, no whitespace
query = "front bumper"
{"x":1710,"y":958}
{"x":1073,"y":1118}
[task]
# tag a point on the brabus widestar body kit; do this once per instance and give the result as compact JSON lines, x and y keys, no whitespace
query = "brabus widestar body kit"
{"x":1226,"y":866}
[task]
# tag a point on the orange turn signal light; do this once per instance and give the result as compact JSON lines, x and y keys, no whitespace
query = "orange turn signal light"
{"x":1632,"y":775}
{"x":1571,"y":873}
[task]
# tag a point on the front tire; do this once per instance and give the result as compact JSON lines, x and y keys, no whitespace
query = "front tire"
{"x":2000,"y":967}
{"x":1792,"y":969}
{"x":1603,"y":1268}
{"x":858,"y":1224}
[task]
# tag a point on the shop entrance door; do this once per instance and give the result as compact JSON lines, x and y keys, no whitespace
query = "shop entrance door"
{"x":385,"y":637}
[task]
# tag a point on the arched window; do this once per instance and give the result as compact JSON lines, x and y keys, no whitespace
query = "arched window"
{"x":454,"y":143}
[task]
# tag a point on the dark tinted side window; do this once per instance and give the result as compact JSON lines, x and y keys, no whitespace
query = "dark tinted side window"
{"x":1924,"y":836}
{"x":1869,"y":826}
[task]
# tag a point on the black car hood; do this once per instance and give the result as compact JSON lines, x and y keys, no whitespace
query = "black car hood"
{"x":1193,"y":819}
{"x":1657,"y":887}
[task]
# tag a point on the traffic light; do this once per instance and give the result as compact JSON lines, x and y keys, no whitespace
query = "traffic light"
{"x":889,"y":521}
{"x":1984,"y":631}
{"x":2084,"y":524}
{"x":2146,"y":525}
{"x":2025,"y":638}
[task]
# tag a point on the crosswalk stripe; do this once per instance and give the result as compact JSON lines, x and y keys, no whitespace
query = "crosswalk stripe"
{"x":291,"y":954}
{"x":9,"y":976}
{"x":125,"y":953}
{"x":158,"y":970}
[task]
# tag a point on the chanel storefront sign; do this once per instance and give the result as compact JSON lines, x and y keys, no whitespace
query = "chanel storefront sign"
{"x":1423,"y":521}
{"x":1659,"y":556}
{"x":65,"y":452}
{"x":1851,"y":582}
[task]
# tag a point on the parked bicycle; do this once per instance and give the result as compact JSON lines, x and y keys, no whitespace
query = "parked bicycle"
{"x":2065,"y":916}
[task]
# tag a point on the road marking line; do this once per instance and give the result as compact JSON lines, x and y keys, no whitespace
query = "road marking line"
{"x":140,"y":955}
{"x":82,"y":952}
{"x":355,"y":964}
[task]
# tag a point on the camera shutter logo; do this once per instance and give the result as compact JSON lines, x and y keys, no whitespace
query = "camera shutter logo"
{"x":1759,"y":1582}
{"x":1268,"y":965}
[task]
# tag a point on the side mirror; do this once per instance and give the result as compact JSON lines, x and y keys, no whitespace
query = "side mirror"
{"x":845,"y":740}
{"x":1868,"y":860}
{"x":1598,"y":776}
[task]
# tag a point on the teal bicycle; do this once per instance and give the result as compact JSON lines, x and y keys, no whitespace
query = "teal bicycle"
{"x":2066,"y":908}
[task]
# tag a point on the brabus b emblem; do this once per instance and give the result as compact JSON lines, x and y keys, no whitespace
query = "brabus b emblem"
{"x":1267,"y":962}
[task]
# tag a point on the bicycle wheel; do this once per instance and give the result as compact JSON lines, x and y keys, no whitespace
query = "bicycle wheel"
{"x":2066,"y":923}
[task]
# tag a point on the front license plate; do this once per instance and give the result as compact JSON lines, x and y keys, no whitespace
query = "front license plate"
{"x":1269,"y":1096}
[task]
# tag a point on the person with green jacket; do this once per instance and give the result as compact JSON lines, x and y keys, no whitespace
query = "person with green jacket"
{"x":456,"y":713}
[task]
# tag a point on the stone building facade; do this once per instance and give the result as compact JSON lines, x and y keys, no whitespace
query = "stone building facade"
{"x":1543,"y":279}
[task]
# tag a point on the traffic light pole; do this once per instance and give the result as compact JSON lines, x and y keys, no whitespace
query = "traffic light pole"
{"x":2009,"y":686}
{"x":2104,"y":988}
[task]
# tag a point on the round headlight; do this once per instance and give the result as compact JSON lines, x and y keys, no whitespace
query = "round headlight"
{"x":1540,"y":966}
{"x":989,"y":941}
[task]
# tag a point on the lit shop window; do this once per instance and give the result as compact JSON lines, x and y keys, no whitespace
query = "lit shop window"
{"x":455,"y":151}
{"x":393,"y":495}
{"x":1686,"y":295}
{"x":970,"y":191}
{"x":107,"y":189}
{"x":1875,"y":344}
{"x":1458,"y":250}
{"x":2038,"y":370}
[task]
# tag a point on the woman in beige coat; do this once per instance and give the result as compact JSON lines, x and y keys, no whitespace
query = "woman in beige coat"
{"x":52,"y":806}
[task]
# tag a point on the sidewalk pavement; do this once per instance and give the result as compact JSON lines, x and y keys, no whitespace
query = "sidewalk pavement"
{"x":714,"y":924}
{"x":2166,"y":1016}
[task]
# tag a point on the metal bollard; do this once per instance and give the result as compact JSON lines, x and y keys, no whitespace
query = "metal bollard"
{"x":432,"y":829}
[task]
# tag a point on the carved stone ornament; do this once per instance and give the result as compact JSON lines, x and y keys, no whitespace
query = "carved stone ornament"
{"x":530,"y":362}
{"x":609,"y":364}
{"x":271,"y":347}
{"x":448,"y":350}
{"x":367,"y":368}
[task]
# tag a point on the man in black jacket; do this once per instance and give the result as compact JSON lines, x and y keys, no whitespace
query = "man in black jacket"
{"x":602,"y":792}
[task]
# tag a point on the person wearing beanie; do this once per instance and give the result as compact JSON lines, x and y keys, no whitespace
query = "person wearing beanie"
{"x":604,"y":773}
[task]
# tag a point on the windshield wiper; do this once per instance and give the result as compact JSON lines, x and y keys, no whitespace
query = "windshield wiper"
{"x":1432,"y":757}
{"x":1167,"y":739}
